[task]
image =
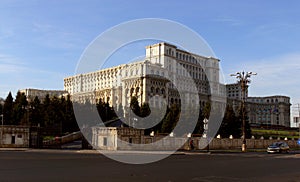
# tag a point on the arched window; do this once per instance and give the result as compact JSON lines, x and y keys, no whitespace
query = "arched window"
{"x":157,"y":90}
{"x":152,"y":89}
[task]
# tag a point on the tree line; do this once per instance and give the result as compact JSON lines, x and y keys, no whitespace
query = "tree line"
{"x":49,"y":113}
{"x":230,"y":125}
{"x":58,"y":113}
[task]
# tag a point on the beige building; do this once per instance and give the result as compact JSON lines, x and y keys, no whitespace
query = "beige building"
{"x":262,"y":111}
{"x":269,"y":111}
{"x":41,"y":94}
{"x":155,"y":80}
{"x":234,"y":91}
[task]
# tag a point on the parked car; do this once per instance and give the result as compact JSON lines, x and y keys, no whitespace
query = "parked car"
{"x":278,"y":147}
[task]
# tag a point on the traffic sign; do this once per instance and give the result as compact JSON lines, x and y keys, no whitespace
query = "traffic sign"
{"x":298,"y":142}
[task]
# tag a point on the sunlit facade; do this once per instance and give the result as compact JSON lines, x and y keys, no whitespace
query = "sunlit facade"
{"x":155,"y":80}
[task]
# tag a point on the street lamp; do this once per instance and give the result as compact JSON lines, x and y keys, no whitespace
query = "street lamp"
{"x":205,"y":134}
{"x":243,"y":80}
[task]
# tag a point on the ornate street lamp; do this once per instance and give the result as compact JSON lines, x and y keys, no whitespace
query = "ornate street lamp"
{"x":243,"y":80}
{"x":205,"y":133}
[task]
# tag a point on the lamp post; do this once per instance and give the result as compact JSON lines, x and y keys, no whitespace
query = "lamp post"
{"x":243,"y":80}
{"x":205,"y":127}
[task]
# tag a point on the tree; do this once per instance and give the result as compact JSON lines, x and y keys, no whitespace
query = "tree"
{"x":69,"y":124}
{"x":35,"y":112}
{"x":134,"y":106}
{"x":206,"y":110}
{"x":7,"y":110}
{"x":145,"y":110}
{"x":231,"y":125}
{"x":200,"y":125}
{"x":102,"y":110}
{"x":20,"y":115}
{"x":46,"y":109}
{"x":171,"y":119}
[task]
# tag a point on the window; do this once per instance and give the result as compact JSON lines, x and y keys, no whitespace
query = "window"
{"x":104,"y":141}
{"x":13,"y":139}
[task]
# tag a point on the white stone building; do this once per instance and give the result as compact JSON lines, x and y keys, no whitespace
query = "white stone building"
{"x":41,"y":94}
{"x":269,"y":111}
{"x":164,"y":69}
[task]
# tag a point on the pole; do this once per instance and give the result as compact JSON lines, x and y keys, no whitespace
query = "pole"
{"x":243,"y":85}
{"x":243,"y":80}
{"x":298,"y":120}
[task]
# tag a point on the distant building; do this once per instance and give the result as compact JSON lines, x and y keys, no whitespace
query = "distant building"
{"x":234,"y":91}
{"x":1,"y":101}
{"x":41,"y":94}
{"x":270,"y":111}
{"x":262,"y":111}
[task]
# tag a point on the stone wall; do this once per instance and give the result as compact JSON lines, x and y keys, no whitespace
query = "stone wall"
{"x":112,"y":138}
{"x":226,"y":143}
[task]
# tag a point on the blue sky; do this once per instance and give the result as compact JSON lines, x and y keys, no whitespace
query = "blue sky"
{"x":41,"y":41}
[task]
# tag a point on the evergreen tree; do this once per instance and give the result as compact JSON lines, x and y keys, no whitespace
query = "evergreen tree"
{"x":69,"y":123}
{"x":200,"y":125}
{"x":46,"y":111}
{"x":231,"y":125}
{"x":7,"y":110}
{"x":102,"y":110}
{"x":145,"y":110}
{"x":134,"y":106}
{"x":206,"y":110}
{"x":20,"y":114}
{"x":35,"y":112}
{"x":171,"y":119}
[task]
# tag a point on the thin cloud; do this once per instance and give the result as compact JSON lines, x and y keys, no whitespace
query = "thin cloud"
{"x":54,"y":37}
{"x":228,"y":20}
{"x":276,"y":76}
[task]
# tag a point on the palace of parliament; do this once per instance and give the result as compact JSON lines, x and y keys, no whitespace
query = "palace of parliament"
{"x":154,"y":80}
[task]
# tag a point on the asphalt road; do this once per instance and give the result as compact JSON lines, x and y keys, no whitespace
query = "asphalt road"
{"x":47,"y":165}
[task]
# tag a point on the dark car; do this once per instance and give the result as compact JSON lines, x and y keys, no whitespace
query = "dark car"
{"x":278,"y":147}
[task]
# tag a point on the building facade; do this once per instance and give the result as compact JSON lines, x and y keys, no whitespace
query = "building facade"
{"x":234,"y":91}
{"x":272,"y":111}
{"x":41,"y":94}
{"x":155,"y":80}
{"x":14,"y":136}
{"x":269,"y":111}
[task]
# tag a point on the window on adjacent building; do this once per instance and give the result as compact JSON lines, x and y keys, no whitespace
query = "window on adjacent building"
{"x":104,"y":141}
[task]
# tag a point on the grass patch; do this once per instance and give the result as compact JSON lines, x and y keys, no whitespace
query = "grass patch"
{"x":274,"y":133}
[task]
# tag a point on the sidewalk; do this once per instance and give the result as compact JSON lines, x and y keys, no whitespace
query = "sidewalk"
{"x":179,"y":152}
